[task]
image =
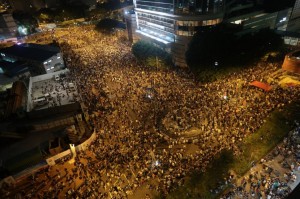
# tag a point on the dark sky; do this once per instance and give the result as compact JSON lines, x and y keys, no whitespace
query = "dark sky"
{"x":274,"y":5}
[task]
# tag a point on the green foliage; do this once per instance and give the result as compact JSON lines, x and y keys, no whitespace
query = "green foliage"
{"x":220,"y":45}
{"x":254,"y":147}
{"x":97,"y":14}
{"x":200,"y":184}
{"x":108,"y":25}
{"x":25,"y":19}
{"x":208,"y":47}
{"x":266,"y":138}
{"x":253,"y":46}
{"x":147,"y":53}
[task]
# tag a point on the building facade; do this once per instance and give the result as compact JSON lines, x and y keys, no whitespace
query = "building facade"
{"x":171,"y":23}
{"x":294,"y":22}
{"x":8,"y":26}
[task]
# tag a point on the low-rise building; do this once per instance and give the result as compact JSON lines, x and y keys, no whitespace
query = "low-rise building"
{"x":42,"y":59}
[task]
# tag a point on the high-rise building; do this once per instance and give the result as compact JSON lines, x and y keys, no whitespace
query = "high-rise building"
{"x":171,"y":23}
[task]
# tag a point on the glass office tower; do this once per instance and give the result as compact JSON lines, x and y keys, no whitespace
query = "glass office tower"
{"x":171,"y":23}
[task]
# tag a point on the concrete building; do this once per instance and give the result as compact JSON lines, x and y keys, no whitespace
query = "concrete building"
{"x":8,"y":26}
{"x":42,"y":58}
{"x":52,"y":119}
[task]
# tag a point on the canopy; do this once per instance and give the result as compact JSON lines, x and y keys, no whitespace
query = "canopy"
{"x":291,"y":84}
{"x":264,"y":86}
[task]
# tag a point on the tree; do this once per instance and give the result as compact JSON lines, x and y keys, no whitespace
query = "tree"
{"x":108,"y":25}
{"x":25,"y":20}
{"x":210,"y":48}
{"x":45,"y":15}
{"x":150,"y":54}
{"x":211,"y":52}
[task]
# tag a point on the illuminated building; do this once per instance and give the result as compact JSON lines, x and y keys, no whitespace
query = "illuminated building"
{"x":170,"y":24}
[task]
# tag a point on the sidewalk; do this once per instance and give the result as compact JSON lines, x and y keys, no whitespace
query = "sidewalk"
{"x":275,"y":176}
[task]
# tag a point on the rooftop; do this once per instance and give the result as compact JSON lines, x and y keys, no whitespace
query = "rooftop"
{"x":31,"y":51}
{"x":50,"y":90}
{"x":14,"y":69}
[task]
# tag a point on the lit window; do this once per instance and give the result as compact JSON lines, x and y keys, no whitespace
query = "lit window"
{"x":52,"y":67}
{"x":3,"y":54}
{"x":58,"y":57}
{"x":48,"y":68}
{"x":45,"y":63}
{"x":50,"y":61}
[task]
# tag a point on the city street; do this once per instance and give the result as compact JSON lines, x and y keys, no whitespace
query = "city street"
{"x":141,"y":148}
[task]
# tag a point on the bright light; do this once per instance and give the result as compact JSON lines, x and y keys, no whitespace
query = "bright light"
{"x":58,"y":57}
{"x":283,"y":19}
{"x":155,"y":25}
{"x":149,"y":96}
{"x":156,"y":163}
{"x":237,"y":21}
{"x":22,"y":30}
{"x":48,"y":68}
{"x":152,"y":37}
{"x":50,"y":61}
{"x":52,"y":67}
{"x":225,"y":97}
{"x":45,"y":63}
{"x":2,"y":54}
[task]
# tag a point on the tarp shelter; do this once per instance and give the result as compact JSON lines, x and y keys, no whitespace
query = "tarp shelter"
{"x":264,"y":86}
{"x":291,"y":84}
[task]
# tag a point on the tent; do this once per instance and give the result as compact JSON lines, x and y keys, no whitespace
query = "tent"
{"x":264,"y":86}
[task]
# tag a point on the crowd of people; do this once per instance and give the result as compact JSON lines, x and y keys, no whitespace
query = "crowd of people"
{"x":273,"y":176}
{"x":141,"y":114}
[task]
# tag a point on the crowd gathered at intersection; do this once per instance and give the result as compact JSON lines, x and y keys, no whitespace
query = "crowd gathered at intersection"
{"x":142,"y":116}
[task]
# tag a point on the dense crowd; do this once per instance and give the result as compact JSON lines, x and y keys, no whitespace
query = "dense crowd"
{"x":274,"y":175}
{"x":141,"y":115}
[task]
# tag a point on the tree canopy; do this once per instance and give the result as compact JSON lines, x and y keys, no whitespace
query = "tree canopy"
{"x":210,"y":48}
{"x":26,"y":20}
{"x":219,"y":48}
{"x":147,"y":52}
{"x":108,"y":25}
